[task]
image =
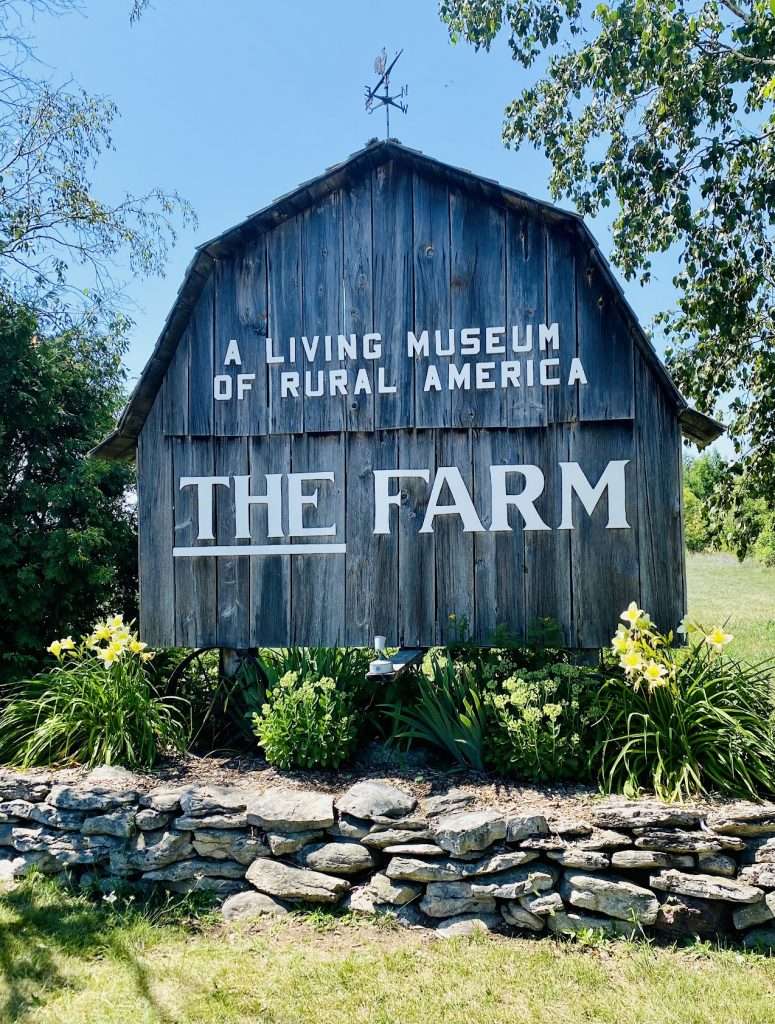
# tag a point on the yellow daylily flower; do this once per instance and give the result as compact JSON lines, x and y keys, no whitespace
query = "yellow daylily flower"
{"x":654,"y":673}
{"x":110,"y":654}
{"x":116,"y":621}
{"x":631,"y":662}
{"x":101,"y":632}
{"x":632,"y":614}
{"x":147,"y":656}
{"x":55,"y":648}
{"x":718,"y":639}
{"x":136,"y":646}
{"x":620,"y":643}
{"x":67,"y":644}
{"x":686,"y":626}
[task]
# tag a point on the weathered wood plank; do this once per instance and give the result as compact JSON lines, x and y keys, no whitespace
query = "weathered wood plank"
{"x":286,"y":415}
{"x":478,"y":301}
{"x":416,"y":555}
{"x":321,"y":311}
{"x":561,"y":400}
{"x":175,"y":389}
{"x":195,"y":578}
{"x":155,"y":530}
{"x":200,"y":385}
{"x":661,"y":548}
{"x":499,"y":557}
{"x":432,"y":408}
{"x":358,"y":308}
{"x":318,"y":581}
{"x":547,"y":553}
{"x":605,"y":350}
{"x":232,"y":573}
{"x":604,"y":562}
{"x":371,"y":565}
{"x":270,"y":575}
{"x":454,"y":548}
{"x":525,"y":306}
{"x":392,"y":261}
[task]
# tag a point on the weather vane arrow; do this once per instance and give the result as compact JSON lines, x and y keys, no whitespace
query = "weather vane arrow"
{"x":376,"y":99}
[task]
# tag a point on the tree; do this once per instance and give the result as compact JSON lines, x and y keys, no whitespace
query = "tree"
{"x":67,"y":530}
{"x":665,"y":107}
{"x":56,"y":232}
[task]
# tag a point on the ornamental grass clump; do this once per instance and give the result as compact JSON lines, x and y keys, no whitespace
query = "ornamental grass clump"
{"x":684,"y":721}
{"x":96,"y":705}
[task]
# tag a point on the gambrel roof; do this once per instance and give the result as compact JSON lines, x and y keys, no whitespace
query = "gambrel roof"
{"x":121,"y":443}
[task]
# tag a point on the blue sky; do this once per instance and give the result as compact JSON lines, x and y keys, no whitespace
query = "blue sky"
{"x":235,"y":103}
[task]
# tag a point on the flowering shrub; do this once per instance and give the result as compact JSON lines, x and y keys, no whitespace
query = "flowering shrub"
{"x":684,"y":721}
{"x":307,"y":722}
{"x":96,"y":705}
{"x":541,"y":723}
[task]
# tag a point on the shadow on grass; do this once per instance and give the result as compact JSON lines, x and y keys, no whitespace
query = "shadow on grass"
{"x":41,"y":924}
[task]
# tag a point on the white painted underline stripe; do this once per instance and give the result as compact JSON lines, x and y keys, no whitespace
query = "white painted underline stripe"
{"x":260,"y":549}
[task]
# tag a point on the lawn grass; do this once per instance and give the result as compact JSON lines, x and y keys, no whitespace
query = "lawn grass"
{"x":64,"y":959}
{"x":742,"y":595}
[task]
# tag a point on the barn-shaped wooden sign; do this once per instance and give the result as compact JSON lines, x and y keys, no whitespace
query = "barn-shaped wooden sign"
{"x":400,"y":398}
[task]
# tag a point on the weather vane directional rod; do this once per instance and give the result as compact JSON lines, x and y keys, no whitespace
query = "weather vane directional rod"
{"x":376,"y":98}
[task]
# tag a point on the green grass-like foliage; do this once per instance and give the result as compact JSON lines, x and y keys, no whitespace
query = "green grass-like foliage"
{"x":90,"y":708}
{"x":447,"y":711}
{"x":685,"y":722}
{"x":311,"y":717}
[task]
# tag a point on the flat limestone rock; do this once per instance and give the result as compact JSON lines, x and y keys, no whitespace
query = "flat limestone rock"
{"x":519,"y":828}
{"x":281,"y":843}
{"x":414,"y":850}
{"x":20,"y":786}
{"x":515,"y":915}
{"x":44,"y":814}
{"x":414,"y":870}
{"x":468,"y":924}
{"x":227,"y":819}
{"x":679,"y":841}
{"x":385,"y":890}
{"x":395,"y":837}
{"x":170,"y":847}
{"x":641,"y":860}
{"x":755,"y":913}
{"x":613,"y":896}
{"x":225,"y":844}
{"x":91,"y":798}
{"x":622,"y":813}
{"x":221,"y":887}
{"x":200,"y":801}
{"x":604,"y":839}
{"x":759,"y":850}
{"x":543,"y":904}
{"x":295,"y":884}
{"x":709,"y":887}
{"x":468,"y":831}
{"x":291,"y":810}
{"x":744,"y":819}
{"x":148,"y":820}
{"x":516,"y":882}
{"x":341,"y":857}
{"x":196,"y":868}
{"x":445,"y":803}
{"x":450,"y":899}
{"x":244,"y":906}
{"x":347,"y":827}
{"x":563,"y":923}
{"x":67,"y":848}
{"x":114,"y":823}
{"x":685,"y":915}
{"x":575,"y":857}
{"x":759,"y":874}
{"x":375,"y":799}
{"x":164,"y":798}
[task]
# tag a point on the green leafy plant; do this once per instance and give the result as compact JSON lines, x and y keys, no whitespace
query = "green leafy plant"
{"x":312,"y":713}
{"x":96,"y":705}
{"x":542,"y":722}
{"x":685,"y":722}
{"x":446,"y":711}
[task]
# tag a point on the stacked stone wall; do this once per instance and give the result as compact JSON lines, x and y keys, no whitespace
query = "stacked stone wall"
{"x":630,"y":867}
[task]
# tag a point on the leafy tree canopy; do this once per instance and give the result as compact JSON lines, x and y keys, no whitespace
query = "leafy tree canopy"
{"x":67,"y":534}
{"x":60,"y":241}
{"x":665,"y":107}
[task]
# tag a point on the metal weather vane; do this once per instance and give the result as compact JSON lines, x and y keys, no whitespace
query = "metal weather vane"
{"x":376,"y":99}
